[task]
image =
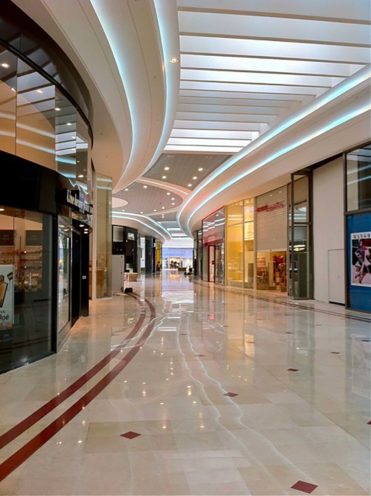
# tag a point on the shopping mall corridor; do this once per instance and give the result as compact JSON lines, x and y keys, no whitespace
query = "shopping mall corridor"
{"x":185,"y":388}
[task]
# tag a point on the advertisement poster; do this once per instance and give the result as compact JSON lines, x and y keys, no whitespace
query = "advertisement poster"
{"x":6,"y":296}
{"x":360,"y":251}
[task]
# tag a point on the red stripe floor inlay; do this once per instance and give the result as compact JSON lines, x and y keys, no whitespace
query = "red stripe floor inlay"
{"x":29,"y":421}
{"x":20,"y":456}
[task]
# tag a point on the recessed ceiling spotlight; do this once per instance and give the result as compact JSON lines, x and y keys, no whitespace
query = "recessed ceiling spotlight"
{"x":189,"y":185}
{"x":57,"y":109}
{"x":162,"y":217}
{"x":69,"y":123}
{"x":173,"y":60}
{"x":168,"y":193}
{"x":126,"y":189}
{"x":164,"y":177}
{"x":145,"y":186}
{"x":194,"y":178}
{"x":13,"y":89}
{"x":81,"y":225}
{"x":173,"y":203}
{"x":141,"y":212}
{"x":166,"y":168}
{"x":163,"y":208}
{"x":200,"y":169}
{"x":80,"y":175}
{"x":39,"y":90}
{"x":2,"y":209}
{"x":172,"y":198}
{"x":5,"y":65}
{"x":155,"y":209}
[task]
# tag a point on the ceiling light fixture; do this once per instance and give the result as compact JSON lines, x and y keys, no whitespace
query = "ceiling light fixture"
{"x":164,"y":177}
{"x":57,"y":109}
{"x":2,"y":209}
{"x":39,"y":90}
{"x":69,"y":123}
{"x":145,"y":186}
{"x":189,"y":185}
{"x":13,"y":89}
{"x":166,"y":168}
{"x":200,"y":169}
{"x":163,"y":208}
{"x":5,"y":65}
{"x":80,"y":175}
{"x":173,"y":60}
{"x":168,"y":193}
{"x":194,"y":178}
{"x":141,"y":212}
{"x":126,"y":189}
{"x":173,"y":203}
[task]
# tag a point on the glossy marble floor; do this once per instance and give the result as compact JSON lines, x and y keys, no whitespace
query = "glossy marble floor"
{"x":192,"y":389}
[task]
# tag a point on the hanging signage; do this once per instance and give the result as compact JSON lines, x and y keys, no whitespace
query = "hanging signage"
{"x":360,"y":259}
{"x":6,"y":296}
{"x":80,"y":204}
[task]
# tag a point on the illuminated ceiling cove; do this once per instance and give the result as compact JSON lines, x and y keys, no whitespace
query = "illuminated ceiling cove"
{"x":226,"y":97}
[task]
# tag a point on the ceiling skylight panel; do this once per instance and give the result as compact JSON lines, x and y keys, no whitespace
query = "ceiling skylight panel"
{"x":273,"y":28}
{"x":258,"y":78}
{"x":267,"y":65}
{"x":274,"y":49}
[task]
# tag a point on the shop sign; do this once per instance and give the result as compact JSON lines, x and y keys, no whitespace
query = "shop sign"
{"x":269,"y":207}
{"x":360,"y":259}
{"x":75,"y":202}
{"x":6,"y":296}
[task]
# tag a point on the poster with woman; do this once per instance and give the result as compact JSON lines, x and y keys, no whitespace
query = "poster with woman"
{"x":361,"y":259}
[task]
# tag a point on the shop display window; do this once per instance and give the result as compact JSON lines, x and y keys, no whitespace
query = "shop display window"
{"x":25,"y":286}
{"x":358,"y":178}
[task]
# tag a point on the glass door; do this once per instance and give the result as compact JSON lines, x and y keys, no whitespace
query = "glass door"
{"x":211,"y":263}
{"x":219,"y":263}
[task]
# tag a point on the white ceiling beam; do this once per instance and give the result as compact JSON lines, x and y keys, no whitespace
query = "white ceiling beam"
{"x":278,"y":49}
{"x":340,"y":10}
{"x":208,"y":142}
{"x":266,"y":65}
{"x":258,"y":78}
{"x":205,"y":149}
{"x":226,"y":125}
{"x":269,"y":97}
{"x":226,"y":117}
{"x":213,"y":133}
{"x":222,"y":109}
{"x":273,"y":28}
{"x":234,"y":102}
{"x":253,"y":88}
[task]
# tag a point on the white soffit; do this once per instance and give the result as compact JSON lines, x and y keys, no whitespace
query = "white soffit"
{"x":247,"y":65}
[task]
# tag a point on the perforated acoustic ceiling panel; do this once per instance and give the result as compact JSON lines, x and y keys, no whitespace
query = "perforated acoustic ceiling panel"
{"x":182,"y":169}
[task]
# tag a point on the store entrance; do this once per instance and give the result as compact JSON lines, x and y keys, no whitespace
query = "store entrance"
{"x":271,"y":270}
{"x":216,"y":263}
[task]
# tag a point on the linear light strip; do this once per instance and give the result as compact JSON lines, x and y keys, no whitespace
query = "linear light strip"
{"x":282,"y":151}
{"x":328,"y":97}
{"x":134,"y":217}
{"x":140,"y":222}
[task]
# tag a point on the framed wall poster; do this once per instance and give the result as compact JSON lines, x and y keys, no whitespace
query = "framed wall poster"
{"x":6,"y":296}
{"x":360,"y":259}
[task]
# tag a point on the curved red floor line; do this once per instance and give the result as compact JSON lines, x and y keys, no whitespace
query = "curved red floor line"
{"x":20,"y":456}
{"x":34,"y":417}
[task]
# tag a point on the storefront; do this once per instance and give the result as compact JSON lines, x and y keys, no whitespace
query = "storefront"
{"x":213,"y":237}
{"x":45,"y":201}
{"x":358,"y":228}
{"x":177,"y":258}
{"x":271,"y":240}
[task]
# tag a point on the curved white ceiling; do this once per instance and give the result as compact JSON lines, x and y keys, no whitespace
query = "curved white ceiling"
{"x":276,"y":85}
